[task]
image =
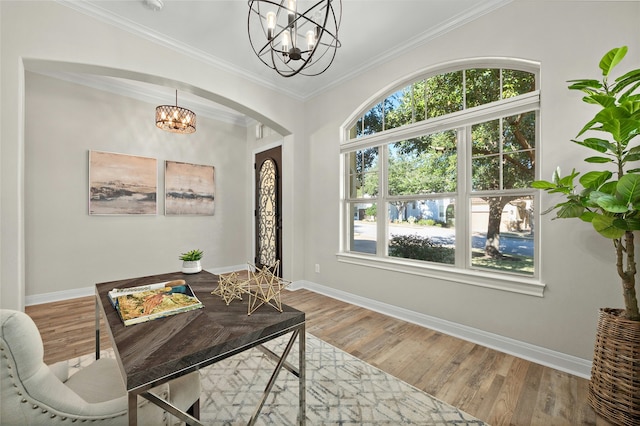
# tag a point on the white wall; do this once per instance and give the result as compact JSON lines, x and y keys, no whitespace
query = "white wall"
{"x":568,"y":38}
{"x":49,"y":36}
{"x":66,"y":248}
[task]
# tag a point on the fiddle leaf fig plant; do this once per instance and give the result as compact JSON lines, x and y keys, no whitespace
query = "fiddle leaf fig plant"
{"x":608,"y":198}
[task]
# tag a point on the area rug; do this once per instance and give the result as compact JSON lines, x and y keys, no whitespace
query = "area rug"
{"x":341,"y":390}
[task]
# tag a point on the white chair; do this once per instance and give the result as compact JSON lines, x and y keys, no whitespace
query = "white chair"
{"x":34,"y":393}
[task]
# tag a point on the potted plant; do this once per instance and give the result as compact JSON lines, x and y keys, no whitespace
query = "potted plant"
{"x":610,"y":201}
{"x":191,"y":261}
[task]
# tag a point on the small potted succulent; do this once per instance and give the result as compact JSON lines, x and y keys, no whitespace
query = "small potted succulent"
{"x":191,"y":261}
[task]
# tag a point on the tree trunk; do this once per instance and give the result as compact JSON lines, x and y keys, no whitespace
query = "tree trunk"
{"x":628,"y":274}
{"x":492,"y":245}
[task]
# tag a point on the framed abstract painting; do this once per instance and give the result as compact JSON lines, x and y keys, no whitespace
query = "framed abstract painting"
{"x":189,"y":189}
{"x":121,"y":184}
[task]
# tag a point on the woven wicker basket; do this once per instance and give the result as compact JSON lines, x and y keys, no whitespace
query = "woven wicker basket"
{"x":614,"y":389}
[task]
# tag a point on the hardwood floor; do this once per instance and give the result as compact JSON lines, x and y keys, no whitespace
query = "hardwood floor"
{"x":495,"y":387}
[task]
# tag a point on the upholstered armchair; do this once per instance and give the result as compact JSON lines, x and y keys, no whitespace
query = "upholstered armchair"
{"x":34,"y":393}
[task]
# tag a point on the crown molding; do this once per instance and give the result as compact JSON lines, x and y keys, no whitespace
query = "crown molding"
{"x":110,"y":18}
{"x":152,"y":94}
{"x":420,"y":39}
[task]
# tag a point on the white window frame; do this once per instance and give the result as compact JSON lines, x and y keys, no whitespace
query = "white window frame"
{"x":461,"y":272}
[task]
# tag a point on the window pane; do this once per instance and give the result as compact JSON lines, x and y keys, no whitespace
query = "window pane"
{"x":518,"y":170}
{"x":356,"y":130}
{"x":398,"y":109}
{"x":485,"y":173}
{"x":424,"y":165}
{"x":504,"y":160}
{"x":516,"y":83}
{"x":519,"y":132}
{"x":363,"y":173}
{"x":443,"y":94}
{"x":501,"y":234}
{"x":423,"y":230}
{"x":485,"y":138}
{"x":363,"y":233}
{"x":373,"y":120}
{"x":418,"y":93}
{"x":482,"y":86}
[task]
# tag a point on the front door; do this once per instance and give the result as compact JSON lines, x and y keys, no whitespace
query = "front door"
{"x":268,"y":213}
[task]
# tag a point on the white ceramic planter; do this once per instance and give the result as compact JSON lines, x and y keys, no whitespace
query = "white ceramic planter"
{"x":191,"y":266}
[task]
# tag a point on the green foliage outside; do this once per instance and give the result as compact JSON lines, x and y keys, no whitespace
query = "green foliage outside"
{"x":516,"y":264}
{"x":371,"y":211}
{"x":503,"y":149}
{"x":420,"y":248}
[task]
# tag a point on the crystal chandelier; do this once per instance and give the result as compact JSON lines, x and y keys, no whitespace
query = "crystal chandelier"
{"x":293,"y":42}
{"x":175,"y":119}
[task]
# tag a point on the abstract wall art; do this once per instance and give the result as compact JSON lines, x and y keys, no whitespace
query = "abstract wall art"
{"x":122,"y":184}
{"x":189,"y":189}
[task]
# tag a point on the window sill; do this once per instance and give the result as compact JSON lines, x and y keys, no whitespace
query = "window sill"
{"x":511,"y":283}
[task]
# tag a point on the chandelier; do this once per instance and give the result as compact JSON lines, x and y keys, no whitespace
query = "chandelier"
{"x":293,"y":42}
{"x":175,"y":119}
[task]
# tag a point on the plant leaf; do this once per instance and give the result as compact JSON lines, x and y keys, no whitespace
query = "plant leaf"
{"x":609,"y":203}
{"x":628,"y":189}
{"x":569,"y":210}
{"x":631,"y":157}
{"x":543,"y":184}
{"x":585,"y":84}
{"x":597,"y":144}
{"x":605,"y":227}
{"x":611,"y":59}
{"x":632,"y":224}
{"x":609,"y":187}
{"x":626,"y":80}
{"x":588,"y":126}
{"x":595,"y":179}
{"x":587,"y":216}
{"x":600,"y":99}
{"x":598,"y":160}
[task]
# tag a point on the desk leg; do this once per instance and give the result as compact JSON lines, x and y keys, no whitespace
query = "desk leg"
{"x":97,"y":329}
{"x":302,"y":391}
{"x":281,"y":362}
{"x":133,"y":409}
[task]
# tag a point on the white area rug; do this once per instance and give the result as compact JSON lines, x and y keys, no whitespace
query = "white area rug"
{"x":341,"y":390}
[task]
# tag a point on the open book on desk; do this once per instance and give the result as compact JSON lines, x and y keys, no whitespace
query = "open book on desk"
{"x":149,"y":302}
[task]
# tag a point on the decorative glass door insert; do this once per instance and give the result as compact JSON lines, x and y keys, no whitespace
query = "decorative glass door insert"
{"x":268,"y":218}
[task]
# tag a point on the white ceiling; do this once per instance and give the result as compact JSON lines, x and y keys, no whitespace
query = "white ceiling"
{"x":215,"y":31}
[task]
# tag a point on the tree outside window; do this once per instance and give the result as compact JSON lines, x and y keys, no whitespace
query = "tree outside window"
{"x":478,"y":168}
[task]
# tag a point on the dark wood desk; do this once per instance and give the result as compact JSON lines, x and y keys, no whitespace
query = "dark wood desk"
{"x":157,"y":351}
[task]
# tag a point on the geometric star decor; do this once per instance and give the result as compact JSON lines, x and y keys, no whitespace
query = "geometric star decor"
{"x":229,"y":287}
{"x":263,"y":286}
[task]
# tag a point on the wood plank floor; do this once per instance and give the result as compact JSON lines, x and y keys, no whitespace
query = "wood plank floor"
{"x":495,"y":387}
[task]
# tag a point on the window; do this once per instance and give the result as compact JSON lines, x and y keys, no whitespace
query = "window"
{"x":437,"y":174}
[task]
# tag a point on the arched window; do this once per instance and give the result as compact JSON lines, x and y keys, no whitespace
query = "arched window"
{"x":437,"y":171}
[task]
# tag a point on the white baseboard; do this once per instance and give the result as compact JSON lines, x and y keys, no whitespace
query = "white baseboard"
{"x":550,"y":358}
{"x":56,"y":296}
{"x":558,"y":360}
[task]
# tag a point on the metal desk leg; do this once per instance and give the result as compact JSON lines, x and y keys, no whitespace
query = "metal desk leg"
{"x":302,"y":346}
{"x":97,"y":329}
{"x":133,"y":409}
{"x":172,"y":409}
{"x":282,"y":361}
